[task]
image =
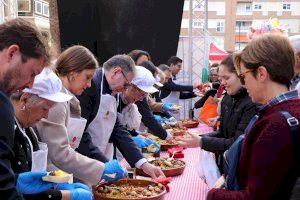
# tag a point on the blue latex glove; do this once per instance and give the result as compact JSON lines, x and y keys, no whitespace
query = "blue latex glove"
{"x":32,"y":183}
{"x":167,"y":107}
{"x":143,"y":142}
{"x":158,"y":118}
{"x":171,"y":119}
{"x":80,"y":194}
{"x":149,"y":142}
{"x":71,"y":186}
{"x":113,"y":167}
{"x":140,"y":142}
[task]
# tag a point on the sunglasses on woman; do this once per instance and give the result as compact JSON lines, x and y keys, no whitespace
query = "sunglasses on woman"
{"x":241,"y":76}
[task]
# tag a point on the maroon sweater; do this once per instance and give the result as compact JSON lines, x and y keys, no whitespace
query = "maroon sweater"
{"x":267,"y":158}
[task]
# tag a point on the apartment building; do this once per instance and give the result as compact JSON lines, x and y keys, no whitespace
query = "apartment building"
{"x":228,"y":20}
{"x":37,"y":11}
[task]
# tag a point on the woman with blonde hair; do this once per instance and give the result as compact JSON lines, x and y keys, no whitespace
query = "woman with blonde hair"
{"x":63,"y":129}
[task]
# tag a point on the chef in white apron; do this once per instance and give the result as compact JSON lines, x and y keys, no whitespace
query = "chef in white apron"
{"x":39,"y":157}
{"x":56,"y":129}
{"x":75,"y":128}
{"x":173,"y":98}
{"x":103,"y":124}
{"x":30,"y":153}
{"x":175,"y":65}
{"x":31,"y":106}
{"x":104,"y":128}
{"x":128,"y":113}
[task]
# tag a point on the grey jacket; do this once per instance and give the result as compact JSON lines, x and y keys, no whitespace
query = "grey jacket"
{"x":53,"y":131}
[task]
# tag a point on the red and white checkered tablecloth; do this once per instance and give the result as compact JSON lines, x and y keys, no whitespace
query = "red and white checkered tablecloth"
{"x":202,"y":129}
{"x":187,"y":186}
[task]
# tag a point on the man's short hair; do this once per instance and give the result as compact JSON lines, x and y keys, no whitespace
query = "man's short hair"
{"x":274,"y":52}
{"x":163,"y":67}
{"x":26,"y":35}
{"x":174,"y":60}
{"x":123,"y":61}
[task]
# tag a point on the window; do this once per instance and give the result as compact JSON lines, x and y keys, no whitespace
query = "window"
{"x":286,"y":6}
{"x":242,"y":26}
{"x":244,"y":8}
{"x":42,"y":8}
{"x":220,"y":27}
{"x":198,"y":24}
{"x":257,"y":7}
{"x":248,"y":8}
{"x":38,"y":7}
{"x":24,"y":6}
{"x":46,"y":10}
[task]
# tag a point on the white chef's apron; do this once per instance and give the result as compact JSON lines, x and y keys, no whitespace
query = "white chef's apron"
{"x":130,"y":117}
{"x":103,"y":124}
{"x":39,"y":157}
{"x":75,"y":128}
{"x":173,"y":97}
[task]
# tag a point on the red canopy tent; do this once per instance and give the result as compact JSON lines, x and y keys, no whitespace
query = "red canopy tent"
{"x":216,"y":54}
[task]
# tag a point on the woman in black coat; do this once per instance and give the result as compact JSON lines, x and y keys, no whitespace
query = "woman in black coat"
{"x":237,"y":109}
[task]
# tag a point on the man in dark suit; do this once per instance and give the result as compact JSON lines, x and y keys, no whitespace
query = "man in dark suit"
{"x":23,"y":55}
{"x":171,"y":92}
{"x":103,"y":128}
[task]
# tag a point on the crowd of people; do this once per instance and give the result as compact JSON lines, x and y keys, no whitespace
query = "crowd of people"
{"x":69,"y":113}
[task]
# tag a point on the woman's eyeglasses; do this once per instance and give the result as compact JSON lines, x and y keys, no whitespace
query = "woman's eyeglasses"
{"x":241,"y":76}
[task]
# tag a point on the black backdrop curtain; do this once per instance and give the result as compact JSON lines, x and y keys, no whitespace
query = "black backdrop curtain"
{"x":109,"y":27}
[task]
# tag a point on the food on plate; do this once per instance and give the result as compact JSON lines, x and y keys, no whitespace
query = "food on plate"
{"x":162,"y":142}
{"x":129,"y":189}
{"x":58,"y":176}
{"x":190,"y":123}
{"x":151,"y":151}
{"x":169,"y":166}
{"x":171,"y":123}
{"x":177,"y":131}
{"x":167,"y":163}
